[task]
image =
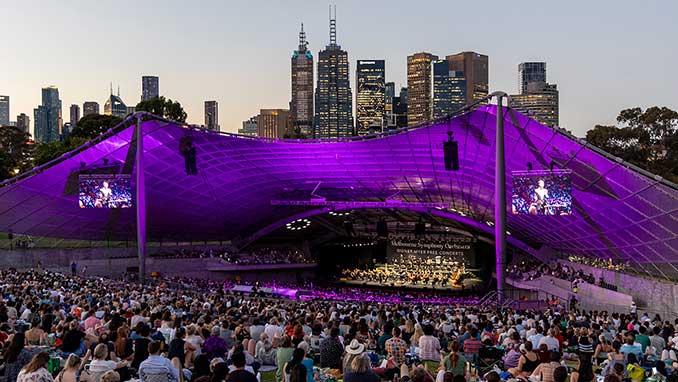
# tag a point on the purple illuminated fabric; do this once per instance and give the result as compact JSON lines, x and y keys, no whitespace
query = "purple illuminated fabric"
{"x":617,"y":211}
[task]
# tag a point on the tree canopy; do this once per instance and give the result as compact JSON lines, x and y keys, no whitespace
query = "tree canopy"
{"x":15,"y":151}
{"x":164,"y":108}
{"x":93,"y":125}
{"x":647,"y":139}
{"x":88,"y":127}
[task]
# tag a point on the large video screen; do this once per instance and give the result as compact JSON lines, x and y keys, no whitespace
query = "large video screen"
{"x":544,"y":193}
{"x":105,"y":191}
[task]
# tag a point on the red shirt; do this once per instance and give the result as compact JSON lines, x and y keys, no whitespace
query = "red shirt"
{"x":472,"y":345}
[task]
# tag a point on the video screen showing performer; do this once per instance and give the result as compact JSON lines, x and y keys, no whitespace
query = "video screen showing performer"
{"x":105,"y":191}
{"x":542,"y":193}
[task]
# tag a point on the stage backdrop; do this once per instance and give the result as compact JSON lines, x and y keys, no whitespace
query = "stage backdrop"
{"x":458,"y":248}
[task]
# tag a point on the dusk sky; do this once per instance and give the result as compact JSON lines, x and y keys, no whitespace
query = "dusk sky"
{"x":603,"y":55}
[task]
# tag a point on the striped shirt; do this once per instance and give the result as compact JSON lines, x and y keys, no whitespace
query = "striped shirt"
{"x":429,"y":348}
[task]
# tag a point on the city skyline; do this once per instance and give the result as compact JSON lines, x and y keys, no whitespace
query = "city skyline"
{"x":596,"y":76}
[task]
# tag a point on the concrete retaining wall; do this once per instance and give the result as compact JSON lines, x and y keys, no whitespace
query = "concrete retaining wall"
{"x":655,"y":295}
{"x":113,"y":262}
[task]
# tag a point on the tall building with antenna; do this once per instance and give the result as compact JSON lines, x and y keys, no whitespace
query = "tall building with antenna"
{"x":114,"y":105}
{"x":301,"y":105}
{"x":333,"y":97}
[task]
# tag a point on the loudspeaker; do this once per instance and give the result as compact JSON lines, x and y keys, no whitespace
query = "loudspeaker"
{"x":348,"y":226}
{"x":451,"y":152}
{"x":419,"y":229}
{"x":382,"y":228}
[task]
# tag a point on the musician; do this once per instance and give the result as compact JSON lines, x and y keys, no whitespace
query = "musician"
{"x":105,"y":194}
{"x":539,"y":198}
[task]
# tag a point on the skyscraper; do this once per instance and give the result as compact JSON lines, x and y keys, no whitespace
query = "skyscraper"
{"x":389,"y":95}
{"x":537,"y":98}
{"x":400,"y":108}
{"x":212,"y":115}
{"x":419,"y":105}
{"x":531,"y":72}
{"x":370,"y":96}
{"x":90,"y":107}
{"x":449,"y":89}
{"x":75,"y":115}
{"x":66,"y":130}
{"x":333,"y":98}
{"x":48,"y":121}
{"x":115,"y":106}
{"x":475,"y":68}
{"x":23,"y":122}
{"x":150,"y":87}
{"x":249,"y":127}
{"x":4,"y":110}
{"x":301,"y":105}
{"x":273,"y":123}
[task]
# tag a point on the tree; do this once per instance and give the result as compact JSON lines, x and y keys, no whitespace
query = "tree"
{"x":647,"y":139}
{"x":165,"y":108}
{"x":45,"y":152}
{"x":15,"y":151}
{"x":93,"y":125}
{"x":88,"y":127}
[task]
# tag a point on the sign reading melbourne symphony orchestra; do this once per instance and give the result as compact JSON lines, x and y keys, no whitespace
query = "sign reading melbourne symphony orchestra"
{"x":459,"y":248}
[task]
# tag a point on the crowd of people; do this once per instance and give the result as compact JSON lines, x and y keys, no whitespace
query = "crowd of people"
{"x":230,"y":255}
{"x":533,"y":269}
{"x":276,"y":255}
{"x":71,"y":329}
{"x":607,"y":264}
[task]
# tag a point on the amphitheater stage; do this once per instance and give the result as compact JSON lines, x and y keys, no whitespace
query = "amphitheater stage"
{"x":468,"y":285}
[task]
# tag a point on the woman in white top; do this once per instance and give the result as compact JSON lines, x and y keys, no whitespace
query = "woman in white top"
{"x":194,"y":339}
{"x":100,"y":364}
{"x":36,"y":370}
{"x":72,"y":371}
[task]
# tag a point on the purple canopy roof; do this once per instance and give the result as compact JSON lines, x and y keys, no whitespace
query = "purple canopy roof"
{"x":618,"y":211}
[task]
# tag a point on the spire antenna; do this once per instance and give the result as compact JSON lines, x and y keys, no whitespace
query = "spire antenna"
{"x":118,"y":90}
{"x":302,"y":39}
{"x":111,"y":87}
{"x":333,"y":26}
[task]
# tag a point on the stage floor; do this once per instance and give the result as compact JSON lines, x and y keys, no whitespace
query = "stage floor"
{"x":468,"y":285}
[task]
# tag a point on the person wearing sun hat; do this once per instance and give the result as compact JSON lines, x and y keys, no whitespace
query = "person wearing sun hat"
{"x":353,"y":350}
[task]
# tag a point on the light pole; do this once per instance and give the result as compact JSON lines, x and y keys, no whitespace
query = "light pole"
{"x":141,"y":203}
{"x":500,"y":198}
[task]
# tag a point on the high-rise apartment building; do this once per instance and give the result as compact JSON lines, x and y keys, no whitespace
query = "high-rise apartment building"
{"x":150,"y":87}
{"x":66,"y":130}
{"x":47,"y":117}
{"x":540,"y":101}
{"x":537,"y":98}
{"x":4,"y":110}
{"x":23,"y":122}
{"x":389,"y":95}
{"x":273,"y":123}
{"x":400,"y":108}
{"x":419,"y":104}
{"x":531,"y":72}
{"x":75,"y":115}
{"x":333,"y":98}
{"x":475,"y":68}
{"x":212,"y":115}
{"x":249,"y":127}
{"x":90,"y":107}
{"x":370,"y":96}
{"x":301,"y":105}
{"x":449,"y":89}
